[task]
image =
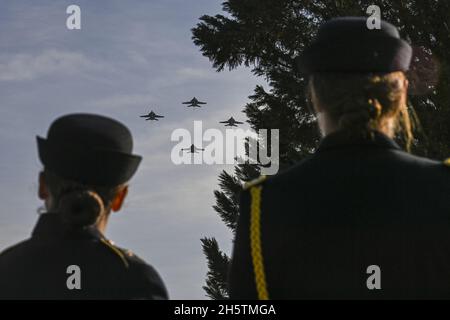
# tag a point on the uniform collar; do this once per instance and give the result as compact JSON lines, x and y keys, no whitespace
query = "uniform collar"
{"x":341,"y":139}
{"x":49,"y":225}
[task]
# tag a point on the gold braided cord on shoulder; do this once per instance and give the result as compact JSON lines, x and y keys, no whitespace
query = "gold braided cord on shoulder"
{"x":116,"y":251}
{"x":255,"y":182}
{"x":255,"y":243}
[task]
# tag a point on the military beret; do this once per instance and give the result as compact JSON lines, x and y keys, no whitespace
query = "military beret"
{"x":346,"y":44}
{"x":89,"y":149}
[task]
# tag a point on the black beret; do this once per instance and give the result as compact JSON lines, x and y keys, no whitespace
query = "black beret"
{"x":346,"y":44}
{"x":89,"y":149}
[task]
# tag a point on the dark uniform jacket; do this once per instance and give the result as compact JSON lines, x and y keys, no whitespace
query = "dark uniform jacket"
{"x":350,"y":206}
{"x":38,"y":268}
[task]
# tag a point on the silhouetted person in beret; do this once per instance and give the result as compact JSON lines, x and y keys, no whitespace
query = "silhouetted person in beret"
{"x":87,"y":162}
{"x":360,"y":218}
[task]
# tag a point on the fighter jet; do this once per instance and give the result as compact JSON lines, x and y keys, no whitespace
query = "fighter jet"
{"x":231,"y":122}
{"x":193,"y":149}
{"x":152,"y":116}
{"x":194,"y":103}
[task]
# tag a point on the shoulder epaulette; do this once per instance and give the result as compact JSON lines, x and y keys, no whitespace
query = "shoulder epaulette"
{"x":447,"y":162}
{"x":255,"y":182}
{"x":6,"y":250}
{"x":118,"y":252}
{"x":12,"y":248}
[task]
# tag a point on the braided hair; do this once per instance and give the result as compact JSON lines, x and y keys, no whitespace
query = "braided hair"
{"x":360,"y":103}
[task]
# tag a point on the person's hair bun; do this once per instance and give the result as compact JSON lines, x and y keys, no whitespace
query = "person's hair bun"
{"x":80,"y":208}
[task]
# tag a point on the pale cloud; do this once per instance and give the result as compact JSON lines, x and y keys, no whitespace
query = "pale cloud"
{"x":193,"y":73}
{"x":124,"y":101}
{"x":25,"y":66}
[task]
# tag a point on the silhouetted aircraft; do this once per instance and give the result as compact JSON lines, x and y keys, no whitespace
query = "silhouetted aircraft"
{"x":194,"y":103}
{"x":193,"y":149}
{"x":152,"y":116}
{"x":231,"y":122}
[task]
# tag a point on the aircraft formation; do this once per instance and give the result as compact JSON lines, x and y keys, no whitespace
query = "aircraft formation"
{"x":192,"y":149}
{"x":152,"y":116}
{"x":231,"y":122}
{"x":193,"y":103}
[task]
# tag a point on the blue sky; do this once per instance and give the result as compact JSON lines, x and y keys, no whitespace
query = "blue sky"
{"x":129,"y":57}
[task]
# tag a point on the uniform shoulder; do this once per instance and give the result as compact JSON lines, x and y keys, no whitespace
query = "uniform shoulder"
{"x":418,"y":162}
{"x":13,"y":249}
{"x":255,"y":182}
{"x":282,"y":178}
{"x":446,"y":163}
{"x":446,"y":167}
{"x":133,"y":259}
{"x":149,"y":284}
{"x":129,"y":258}
{"x":118,"y":252}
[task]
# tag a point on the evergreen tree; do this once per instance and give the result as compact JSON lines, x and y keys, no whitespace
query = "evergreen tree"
{"x":267,"y":36}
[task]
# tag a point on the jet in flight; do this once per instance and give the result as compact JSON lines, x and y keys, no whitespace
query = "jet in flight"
{"x":152,"y":116}
{"x":231,"y":122}
{"x":193,"y":149}
{"x":194,"y":103}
